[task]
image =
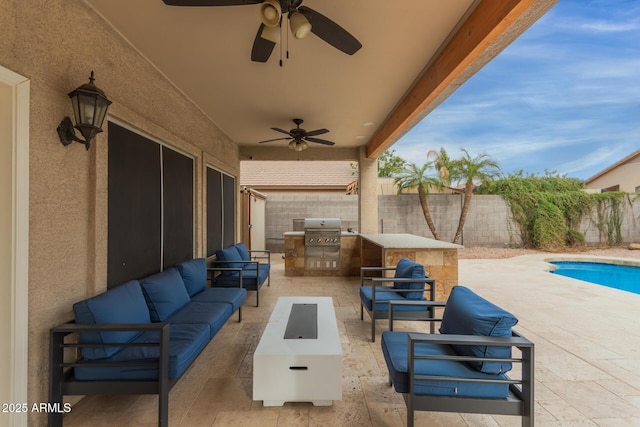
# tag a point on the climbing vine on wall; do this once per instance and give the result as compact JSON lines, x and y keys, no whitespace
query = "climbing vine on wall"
{"x":550,"y":209}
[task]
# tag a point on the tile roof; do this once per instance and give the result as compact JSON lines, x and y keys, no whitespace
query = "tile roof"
{"x":292,"y":174}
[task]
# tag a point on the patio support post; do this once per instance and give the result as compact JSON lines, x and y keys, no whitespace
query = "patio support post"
{"x":367,"y":193}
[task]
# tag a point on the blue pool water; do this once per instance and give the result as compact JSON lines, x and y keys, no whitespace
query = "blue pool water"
{"x":615,"y":276}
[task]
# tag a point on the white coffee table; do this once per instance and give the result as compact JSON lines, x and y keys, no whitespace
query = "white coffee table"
{"x":299,"y":369}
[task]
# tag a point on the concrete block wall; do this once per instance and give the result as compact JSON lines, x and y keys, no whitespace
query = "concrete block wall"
{"x":488,"y":222}
{"x":281,"y":210}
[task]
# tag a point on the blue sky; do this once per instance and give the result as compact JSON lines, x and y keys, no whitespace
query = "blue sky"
{"x":564,"y":97}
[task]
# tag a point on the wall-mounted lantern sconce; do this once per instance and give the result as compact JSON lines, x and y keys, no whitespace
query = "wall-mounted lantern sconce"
{"x":90,"y":106}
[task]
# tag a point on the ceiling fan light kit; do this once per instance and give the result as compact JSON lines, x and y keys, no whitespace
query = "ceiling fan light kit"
{"x":271,"y":33}
{"x":270,"y":13}
{"x":302,"y":21}
{"x":300,"y":25}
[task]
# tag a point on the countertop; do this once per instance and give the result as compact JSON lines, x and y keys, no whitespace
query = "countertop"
{"x":407,"y":241}
{"x":301,"y":233}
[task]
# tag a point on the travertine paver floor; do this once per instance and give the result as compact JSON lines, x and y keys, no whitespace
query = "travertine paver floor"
{"x":587,"y":358}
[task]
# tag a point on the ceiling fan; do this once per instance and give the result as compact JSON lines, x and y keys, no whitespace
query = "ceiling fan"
{"x":299,"y":137}
{"x":302,"y":20}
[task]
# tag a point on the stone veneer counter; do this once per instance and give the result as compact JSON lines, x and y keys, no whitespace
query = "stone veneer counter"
{"x":439,"y":258}
{"x":294,"y":261}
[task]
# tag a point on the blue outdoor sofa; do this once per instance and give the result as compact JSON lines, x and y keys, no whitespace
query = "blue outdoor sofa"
{"x":409,"y":284}
{"x":464,"y":368}
{"x":236,"y":266}
{"x":139,"y":337}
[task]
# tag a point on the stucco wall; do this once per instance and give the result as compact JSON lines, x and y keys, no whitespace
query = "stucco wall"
{"x":627,"y":176}
{"x":56,"y":44}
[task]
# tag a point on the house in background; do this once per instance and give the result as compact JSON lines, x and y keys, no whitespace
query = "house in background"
{"x":310,"y":177}
{"x":298,"y":177}
{"x":623,"y":175}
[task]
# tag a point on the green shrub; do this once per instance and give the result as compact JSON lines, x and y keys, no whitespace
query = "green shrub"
{"x":549,"y":227}
{"x":549,"y":210}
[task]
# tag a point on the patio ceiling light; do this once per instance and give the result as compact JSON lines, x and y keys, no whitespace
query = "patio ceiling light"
{"x":270,"y":13}
{"x":90,"y":106}
{"x":298,"y":145}
{"x":271,"y":33}
{"x":300,"y":25}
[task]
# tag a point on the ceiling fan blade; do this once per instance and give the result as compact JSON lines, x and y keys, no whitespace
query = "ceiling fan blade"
{"x":281,"y":130}
{"x":262,"y":48}
{"x":320,"y":141}
{"x":317,"y":132}
{"x":275,"y":139}
{"x":210,"y":2}
{"x":330,"y":32}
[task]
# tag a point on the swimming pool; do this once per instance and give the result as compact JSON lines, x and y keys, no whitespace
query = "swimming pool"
{"x":626,"y":278}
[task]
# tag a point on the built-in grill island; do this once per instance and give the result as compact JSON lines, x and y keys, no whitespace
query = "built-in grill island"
{"x":322,"y":243}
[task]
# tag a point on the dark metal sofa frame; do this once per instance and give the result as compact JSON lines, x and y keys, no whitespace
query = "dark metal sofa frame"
{"x":406,"y":315}
{"x":519,"y":402}
{"x":62,"y":381}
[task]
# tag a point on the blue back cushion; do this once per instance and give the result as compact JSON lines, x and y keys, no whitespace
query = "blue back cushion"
{"x":122,"y":304}
{"x":243,"y":251}
{"x":229,"y":254}
{"x":467,"y":313}
{"x":407,"y":269}
{"x":194,"y":275}
{"x":165,"y":294}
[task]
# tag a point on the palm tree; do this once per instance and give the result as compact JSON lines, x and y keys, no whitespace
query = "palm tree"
{"x":469,"y":170}
{"x":413,"y":176}
{"x":442,"y":162}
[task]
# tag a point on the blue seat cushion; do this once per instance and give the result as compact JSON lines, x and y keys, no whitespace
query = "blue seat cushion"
{"x":407,"y":269}
{"x":229,"y":254}
{"x":243,"y":251}
{"x":185,"y":344}
{"x":194,"y":275}
{"x":467,"y":313}
{"x":233,"y":296}
{"x":122,"y":304}
{"x":394,"y":349}
{"x":165,"y":294}
{"x":214,"y":314}
{"x":383,"y":298}
{"x":251,"y":278}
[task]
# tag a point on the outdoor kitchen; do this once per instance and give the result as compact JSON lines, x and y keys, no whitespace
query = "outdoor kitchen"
{"x":321,"y":248}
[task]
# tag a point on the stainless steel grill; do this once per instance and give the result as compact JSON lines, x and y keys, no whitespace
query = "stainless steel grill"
{"x":322,"y":243}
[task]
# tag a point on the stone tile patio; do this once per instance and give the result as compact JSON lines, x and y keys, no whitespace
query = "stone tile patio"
{"x":587,"y":358}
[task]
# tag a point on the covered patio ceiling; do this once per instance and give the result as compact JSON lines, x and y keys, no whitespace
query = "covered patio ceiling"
{"x":414,"y":54}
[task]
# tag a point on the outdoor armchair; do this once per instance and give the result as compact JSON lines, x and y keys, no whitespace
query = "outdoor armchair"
{"x":410,"y":283}
{"x":235,"y":266}
{"x":464,"y":368}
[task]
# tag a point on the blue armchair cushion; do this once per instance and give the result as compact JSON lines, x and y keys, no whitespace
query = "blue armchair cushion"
{"x":194,"y":275}
{"x":407,"y":269}
{"x":186,"y":341}
{"x":251,"y":278}
{"x":229,"y":254}
{"x":122,"y":304}
{"x":383,"y":298}
{"x":467,"y":313}
{"x":394,"y":349}
{"x":165,"y":294}
{"x":243,"y":251}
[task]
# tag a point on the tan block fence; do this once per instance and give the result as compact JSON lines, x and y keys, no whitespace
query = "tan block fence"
{"x":488,"y":222}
